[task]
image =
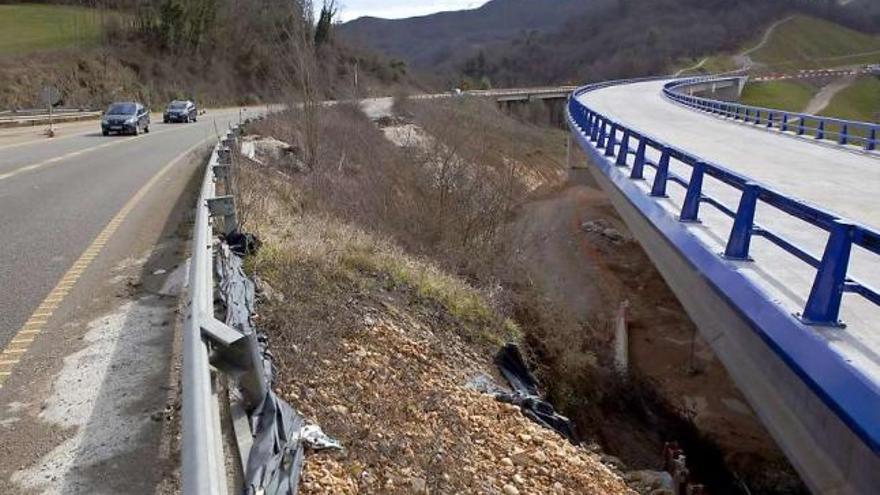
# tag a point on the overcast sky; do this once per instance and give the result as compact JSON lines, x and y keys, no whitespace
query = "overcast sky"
{"x":393,"y":9}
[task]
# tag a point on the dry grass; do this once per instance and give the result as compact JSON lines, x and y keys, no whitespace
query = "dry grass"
{"x":378,"y":346}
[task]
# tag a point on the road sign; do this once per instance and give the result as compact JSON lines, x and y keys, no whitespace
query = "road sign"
{"x":50,"y":96}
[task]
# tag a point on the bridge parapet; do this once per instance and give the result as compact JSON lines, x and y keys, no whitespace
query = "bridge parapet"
{"x":848,"y":133}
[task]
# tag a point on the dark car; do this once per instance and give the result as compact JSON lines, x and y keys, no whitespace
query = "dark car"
{"x":127,"y":117}
{"x":181,"y":111}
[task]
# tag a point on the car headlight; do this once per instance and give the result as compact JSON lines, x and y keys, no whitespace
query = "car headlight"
{"x":105,"y":121}
{"x":131,"y":120}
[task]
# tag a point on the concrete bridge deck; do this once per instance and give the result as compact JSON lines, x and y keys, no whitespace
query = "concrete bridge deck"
{"x":813,"y":386}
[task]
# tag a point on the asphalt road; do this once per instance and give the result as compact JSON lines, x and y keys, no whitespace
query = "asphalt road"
{"x":56,"y":196}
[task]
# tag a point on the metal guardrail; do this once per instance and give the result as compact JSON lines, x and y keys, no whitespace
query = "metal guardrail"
{"x":39,"y":112}
{"x":213,"y":350}
{"x":619,"y":142}
{"x":202,"y":457}
{"x":843,"y":132}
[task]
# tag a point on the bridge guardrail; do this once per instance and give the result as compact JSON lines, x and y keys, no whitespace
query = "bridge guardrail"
{"x":617,"y":143}
{"x":831,"y":282}
{"x":843,"y":132}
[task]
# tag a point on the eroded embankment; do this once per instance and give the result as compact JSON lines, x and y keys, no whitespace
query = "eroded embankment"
{"x":377,"y":341}
{"x":380,"y":348}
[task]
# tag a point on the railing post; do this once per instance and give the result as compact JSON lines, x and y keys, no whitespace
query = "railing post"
{"x":638,"y":170}
{"x":871,"y":142}
{"x":690,"y":211}
{"x":820,"y":131}
{"x":802,"y":126}
{"x":658,"y":189}
{"x":823,"y":305}
{"x":784,"y":127}
{"x":736,"y":115}
{"x":758,"y":117}
{"x":748,"y":116}
{"x":602,"y":133}
{"x":612,"y":138}
{"x":743,"y":225}
{"x":597,"y":124}
{"x":844,"y":135}
{"x":770,"y":117}
{"x":623,"y":152}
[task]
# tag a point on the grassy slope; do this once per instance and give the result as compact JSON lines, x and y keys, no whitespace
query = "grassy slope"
{"x":861,"y":101}
{"x":784,"y":95}
{"x":26,"y":28}
{"x":807,"y":42}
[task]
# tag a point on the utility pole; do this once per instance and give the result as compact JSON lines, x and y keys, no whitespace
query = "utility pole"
{"x":357,"y":95}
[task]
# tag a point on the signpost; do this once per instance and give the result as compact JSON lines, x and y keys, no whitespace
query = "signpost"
{"x":50,"y":96}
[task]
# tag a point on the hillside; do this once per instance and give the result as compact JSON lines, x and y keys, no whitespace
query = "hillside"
{"x":860,"y":101}
{"x":216,"y":51}
{"x":428,"y":41}
{"x":593,"y":40}
{"x":807,"y":42}
{"x":26,"y":28}
{"x":511,"y":42}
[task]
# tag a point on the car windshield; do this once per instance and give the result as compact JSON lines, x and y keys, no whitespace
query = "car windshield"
{"x":121,"y":109}
{"x":177,"y":106}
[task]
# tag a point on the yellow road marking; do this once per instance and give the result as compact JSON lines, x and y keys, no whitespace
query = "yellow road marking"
{"x":37,"y":321}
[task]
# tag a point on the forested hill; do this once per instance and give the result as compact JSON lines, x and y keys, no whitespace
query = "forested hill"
{"x":436,"y":39}
{"x":514,"y":42}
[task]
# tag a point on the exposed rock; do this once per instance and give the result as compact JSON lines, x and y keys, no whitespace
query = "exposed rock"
{"x":602,"y":228}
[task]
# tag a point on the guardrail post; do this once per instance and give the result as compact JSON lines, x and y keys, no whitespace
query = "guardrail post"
{"x":690,"y":211}
{"x":820,"y":131}
{"x":658,"y":189}
{"x":588,"y":122}
{"x":224,"y":207}
{"x":784,"y":126}
{"x":612,"y":138}
{"x":594,"y":133}
{"x":743,"y":225}
{"x":871,"y":142}
{"x":770,"y":117}
{"x":757,"y":117}
{"x":736,"y":116}
{"x":748,"y":116}
{"x":623,"y":152}
{"x":823,"y":305}
{"x":844,"y":135}
{"x":602,"y":133}
{"x":802,"y":126}
{"x":638,"y":170}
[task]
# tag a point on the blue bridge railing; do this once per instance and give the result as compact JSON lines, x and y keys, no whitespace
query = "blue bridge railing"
{"x":843,"y":132}
{"x":620,"y":143}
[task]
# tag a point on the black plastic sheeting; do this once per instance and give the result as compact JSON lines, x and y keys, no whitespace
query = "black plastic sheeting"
{"x":525,"y":392}
{"x":280,"y":433}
